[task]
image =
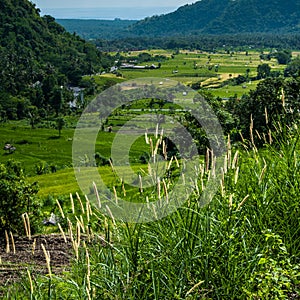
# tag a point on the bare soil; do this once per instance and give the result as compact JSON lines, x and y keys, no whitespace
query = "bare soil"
{"x":14,"y":264}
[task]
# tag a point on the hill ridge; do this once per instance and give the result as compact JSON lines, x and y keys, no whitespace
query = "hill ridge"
{"x":223,"y":17}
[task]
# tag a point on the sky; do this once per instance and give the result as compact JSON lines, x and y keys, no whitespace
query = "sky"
{"x":109,"y":3}
{"x":107,"y":9}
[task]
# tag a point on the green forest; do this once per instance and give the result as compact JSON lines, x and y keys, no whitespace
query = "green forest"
{"x":138,"y":165}
{"x":224,"y":17}
{"x":39,"y":59}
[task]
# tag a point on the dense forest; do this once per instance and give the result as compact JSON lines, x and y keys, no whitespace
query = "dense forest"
{"x":205,"y":42}
{"x":204,"y":25}
{"x":39,"y":60}
{"x":223,"y":17}
{"x":206,"y":17}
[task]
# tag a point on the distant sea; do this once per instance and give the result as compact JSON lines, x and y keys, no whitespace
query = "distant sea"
{"x":106,"y":13}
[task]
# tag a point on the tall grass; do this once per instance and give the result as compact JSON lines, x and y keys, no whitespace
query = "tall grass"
{"x":244,"y":245}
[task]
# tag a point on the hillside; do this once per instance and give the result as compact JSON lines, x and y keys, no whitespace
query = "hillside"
{"x":33,"y":47}
{"x":97,"y":29}
{"x":224,"y":17}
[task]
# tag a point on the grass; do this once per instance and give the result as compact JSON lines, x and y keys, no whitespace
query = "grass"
{"x":47,"y":159}
{"x":44,"y":144}
{"x":36,"y":146}
{"x":243,"y":245}
{"x":41,"y":151}
{"x":230,"y":91}
{"x":191,"y":67}
{"x":63,"y":182}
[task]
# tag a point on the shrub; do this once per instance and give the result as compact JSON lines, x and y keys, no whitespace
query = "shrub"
{"x":17,"y":197}
{"x":41,"y":168}
{"x":101,"y":161}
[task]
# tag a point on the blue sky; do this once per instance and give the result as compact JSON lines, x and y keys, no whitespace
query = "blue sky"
{"x":109,"y":3}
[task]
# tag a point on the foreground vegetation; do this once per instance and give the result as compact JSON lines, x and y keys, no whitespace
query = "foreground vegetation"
{"x":242,"y":245}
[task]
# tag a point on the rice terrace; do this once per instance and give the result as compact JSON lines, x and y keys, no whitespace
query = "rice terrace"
{"x":150,"y":159}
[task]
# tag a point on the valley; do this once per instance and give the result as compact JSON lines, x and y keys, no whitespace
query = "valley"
{"x":151,"y":159}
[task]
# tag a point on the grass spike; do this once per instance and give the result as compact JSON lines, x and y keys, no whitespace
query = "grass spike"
{"x":12,"y":242}
{"x":7,"y":242}
{"x":72,"y":203}
{"x":97,"y":195}
{"x":158,"y":188}
{"x":141,"y":183}
{"x":123,"y":189}
{"x":62,"y":232}
{"x":266,"y":115}
{"x":146,"y":137}
{"x":166,"y":190}
{"x":111,"y":215}
{"x":236,"y":175}
{"x":194,"y":287}
{"x":235,"y":160}
{"x":243,"y":202}
{"x":88,"y":203}
{"x":60,"y":209}
{"x":30,"y":282}
{"x":33,"y":246}
{"x":82,"y":223}
{"x":25,"y":225}
{"x":78,"y":234}
{"x":80,"y":202}
{"x":28,"y":225}
{"x":47,"y":257}
{"x":115,"y":194}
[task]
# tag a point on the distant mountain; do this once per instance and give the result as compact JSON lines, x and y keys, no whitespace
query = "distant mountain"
{"x":97,"y":29}
{"x":224,"y":17}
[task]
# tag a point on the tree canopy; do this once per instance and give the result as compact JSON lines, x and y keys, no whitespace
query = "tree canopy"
{"x":224,"y":17}
{"x":38,"y":56}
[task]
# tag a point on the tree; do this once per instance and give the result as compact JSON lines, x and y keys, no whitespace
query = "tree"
{"x":263,"y":105}
{"x":283,"y":57}
{"x":17,"y":197}
{"x":38,"y":56}
{"x":57,"y":99}
{"x":292,"y":99}
{"x":60,"y":123}
{"x":293,"y":68}
{"x":263,"y":71}
{"x":33,"y":115}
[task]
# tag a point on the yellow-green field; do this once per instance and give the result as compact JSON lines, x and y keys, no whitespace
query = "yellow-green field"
{"x":191,"y":67}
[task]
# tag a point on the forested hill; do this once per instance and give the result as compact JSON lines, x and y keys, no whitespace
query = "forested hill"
{"x":37,"y":49}
{"x":225,"y":17}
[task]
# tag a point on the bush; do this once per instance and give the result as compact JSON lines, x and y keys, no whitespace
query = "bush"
{"x":41,"y":168}
{"x":101,"y":161}
{"x":17,"y":197}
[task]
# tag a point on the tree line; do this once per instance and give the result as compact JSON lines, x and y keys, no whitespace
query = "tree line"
{"x":204,"y":42}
